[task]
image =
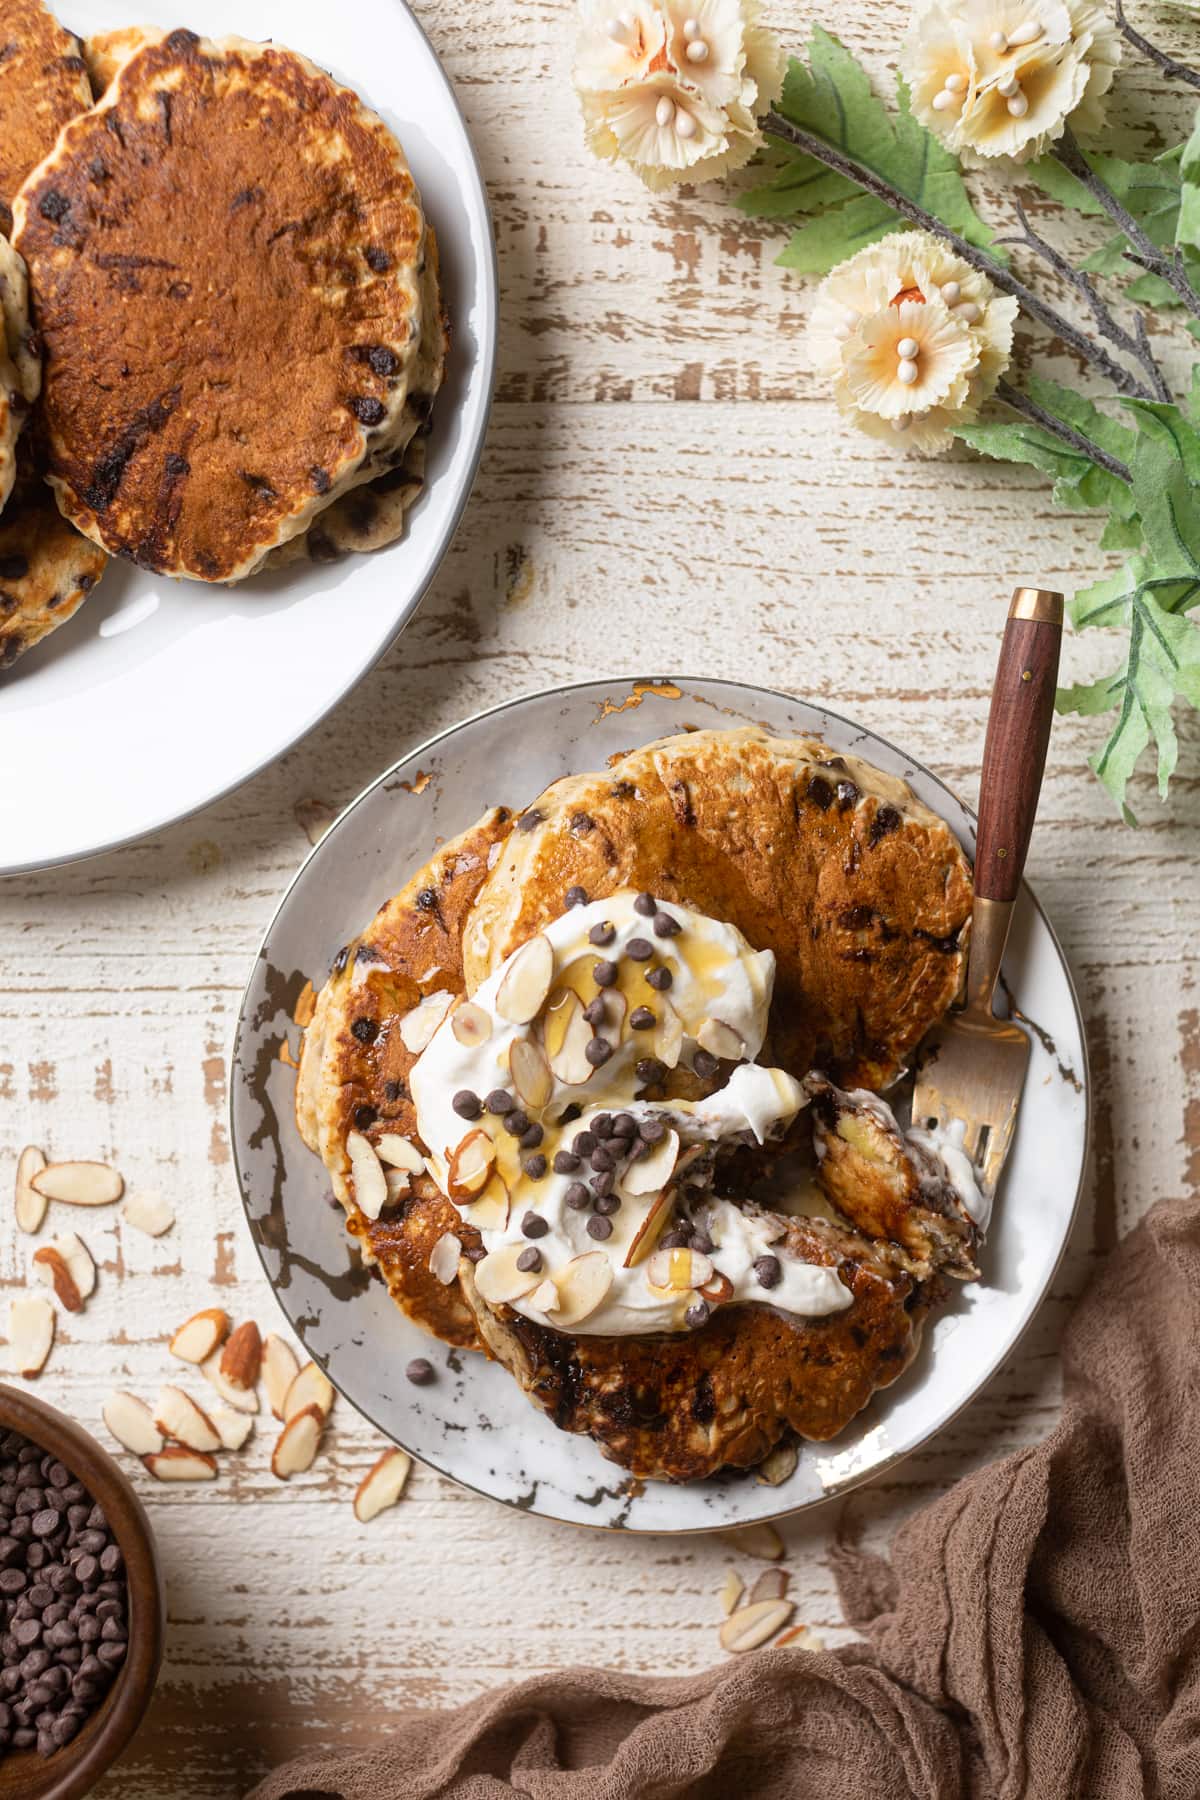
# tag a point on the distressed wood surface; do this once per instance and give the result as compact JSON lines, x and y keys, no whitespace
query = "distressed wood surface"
{"x":664,"y":488}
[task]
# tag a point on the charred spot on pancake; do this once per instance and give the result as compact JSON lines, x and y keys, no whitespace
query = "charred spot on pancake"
{"x":53,"y":601}
{"x":258,"y":485}
{"x":886,"y":820}
{"x":365,"y":1030}
{"x":704,"y":1401}
{"x":582,"y":823}
{"x":247,"y":196}
{"x":180,"y":41}
{"x":377,"y":259}
{"x":179,"y":290}
{"x":319,"y":479}
{"x":98,"y":170}
{"x":54,"y":206}
{"x":8,"y":602}
{"x":14,"y":568}
{"x":367,"y":410}
{"x":164,"y":107}
{"x":681,"y":804}
{"x":367,"y":953}
{"x":855,"y":918}
{"x":321,"y":548}
{"x":394,"y":1090}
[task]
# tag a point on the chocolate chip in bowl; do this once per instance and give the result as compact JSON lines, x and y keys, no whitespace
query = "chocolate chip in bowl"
{"x":81,"y":1607}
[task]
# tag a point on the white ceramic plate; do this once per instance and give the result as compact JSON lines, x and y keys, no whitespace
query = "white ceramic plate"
{"x":474,"y":1424}
{"x":161,"y":695}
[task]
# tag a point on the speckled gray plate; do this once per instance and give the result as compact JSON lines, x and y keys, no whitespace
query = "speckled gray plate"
{"x":473,"y":1424}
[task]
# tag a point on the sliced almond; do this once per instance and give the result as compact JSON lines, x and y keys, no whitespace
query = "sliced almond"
{"x":721,"y":1040}
{"x":668,"y":1033}
{"x":299,"y":1441}
{"x":418,"y":1026}
{"x":400,"y":1152}
{"x":382,"y":1486}
{"x":526,"y":981}
{"x":280,"y":1368}
{"x":79,"y":1183}
{"x":582,"y":1285}
{"x":241,"y":1359}
{"x":149,"y":1213}
{"x":443,"y":1258}
{"x":567,"y":1034}
{"x":30,"y":1205}
{"x":471,"y":1025}
{"x":530,"y":1072}
{"x":719,"y":1290}
{"x":751,"y":1626}
{"x":778,"y":1466}
{"x":470,"y":1167}
{"x":240,"y":1399}
{"x":66,"y":1265}
{"x":500,"y":1281}
{"x":177,"y":1416}
{"x":233,"y":1428}
{"x":545,"y":1296}
{"x":731,"y":1593}
{"x":772,"y":1584}
{"x":30,"y":1334}
{"x":679,"y":1269}
{"x":370,"y":1183}
{"x":801,"y":1637}
{"x":311,"y":1389}
{"x":200,"y":1335}
{"x":649,"y":1174}
{"x":760,"y":1540}
{"x":399,"y":1185}
{"x":178,"y":1464}
{"x":490,"y":1212}
{"x":132,"y":1424}
{"x":651,"y":1228}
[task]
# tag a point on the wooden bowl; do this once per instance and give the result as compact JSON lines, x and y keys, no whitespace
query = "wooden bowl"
{"x":74,"y":1770}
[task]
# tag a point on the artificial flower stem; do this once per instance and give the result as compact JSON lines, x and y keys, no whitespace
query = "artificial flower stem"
{"x":1175,"y":70}
{"x":1167,"y":267}
{"x":1037,"y":415}
{"x":1121,"y":378}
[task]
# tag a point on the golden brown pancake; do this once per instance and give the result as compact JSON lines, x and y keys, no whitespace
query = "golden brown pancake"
{"x":862,"y":892}
{"x":237,"y":242}
{"x":43,"y":83}
{"x":47,"y":569}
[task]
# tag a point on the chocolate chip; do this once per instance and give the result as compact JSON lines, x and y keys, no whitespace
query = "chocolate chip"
{"x":701,"y":1243}
{"x":673,"y":1240}
{"x":364,"y":1117}
{"x":367,"y":410}
{"x":819,"y":792}
{"x":377,"y":259}
{"x":466,"y":1104}
{"x":583,"y":1143}
{"x":602,"y":1158}
{"x":598,"y":1227}
{"x":365,"y":1030}
{"x":565,"y":1162}
{"x":768,"y":1271}
{"x":420,"y":1371}
{"x":532,"y":1137}
{"x":640,"y":949}
{"x":608,"y":1203}
{"x":529,"y":1261}
{"x":666,"y":926}
{"x":427,"y":900}
{"x":605,"y":974}
{"x":660,"y":979}
{"x":886,"y":820}
{"x":847,"y":795}
{"x":536,"y":1166}
{"x":602,"y":1125}
{"x":596,"y":1011}
{"x":54,"y":206}
{"x":646,"y":905}
{"x":650,"y":1071}
{"x":705,"y":1064}
{"x":319,"y":480}
{"x":516,"y":1123}
{"x":530,"y":820}
{"x":597,"y":1050}
{"x":499,"y":1102}
{"x":577,"y":1197}
{"x":600,"y":935}
{"x":652,"y":1131}
{"x":603,"y":1182}
{"x":582,"y":823}
{"x":575,"y":896}
{"x":642,"y":1019}
{"x":534,"y":1226}
{"x":624,"y":1125}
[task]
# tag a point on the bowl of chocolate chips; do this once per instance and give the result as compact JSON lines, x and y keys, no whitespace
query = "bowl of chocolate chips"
{"x":81,"y":1607}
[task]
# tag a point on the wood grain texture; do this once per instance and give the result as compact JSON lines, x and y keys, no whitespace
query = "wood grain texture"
{"x":1014,"y":752}
{"x":664,"y":486}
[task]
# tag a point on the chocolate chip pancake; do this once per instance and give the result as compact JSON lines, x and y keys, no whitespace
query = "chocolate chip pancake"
{"x":238,"y":243}
{"x":47,"y":568}
{"x":862,"y":892}
{"x":43,"y":83}
{"x":20,"y":364}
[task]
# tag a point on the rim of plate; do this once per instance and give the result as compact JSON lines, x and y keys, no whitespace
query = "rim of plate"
{"x":488,"y":349}
{"x":633,"y":682}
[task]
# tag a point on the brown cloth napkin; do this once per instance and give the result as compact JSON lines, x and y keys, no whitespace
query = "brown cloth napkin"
{"x":1036,"y":1632}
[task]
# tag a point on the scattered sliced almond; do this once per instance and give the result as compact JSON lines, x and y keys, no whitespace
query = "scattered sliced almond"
{"x":668,"y":1033}
{"x":651,"y":1228}
{"x":649,"y":1174}
{"x":500,"y":1281}
{"x":530,"y":1072}
{"x":801,"y":1637}
{"x":280,"y":1368}
{"x":200,"y":1335}
{"x":233,"y":1428}
{"x":30,"y":1333}
{"x":298,"y":1443}
{"x":66,"y":1265}
{"x":240,"y":1399}
{"x":30,"y":1205}
{"x":370,"y":1183}
{"x":778,"y":1466}
{"x":470,"y":1167}
{"x":721,"y":1040}
{"x":751,"y":1626}
{"x":679,"y":1269}
{"x":526,"y":981}
{"x":78,"y":1183}
{"x":177,"y":1416}
{"x":400,"y":1152}
{"x":418,"y":1026}
{"x":490,"y":1212}
{"x":399,"y":1185}
{"x":382,"y":1486}
{"x":176,"y":1463}
{"x":582,"y":1285}
{"x":443,"y":1258}
{"x":772,"y":1584}
{"x":132,"y":1423}
{"x":241,"y":1359}
{"x":544,"y":1297}
{"x":149,"y":1213}
{"x":717,"y":1291}
{"x":732,"y":1590}
{"x":566,"y":1035}
{"x":760,"y":1540}
{"x":312,"y":1388}
{"x":471,"y":1025}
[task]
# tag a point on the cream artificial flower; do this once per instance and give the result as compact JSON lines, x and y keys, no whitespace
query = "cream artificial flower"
{"x":675,"y":88}
{"x":908,"y":300}
{"x":1002,"y":77}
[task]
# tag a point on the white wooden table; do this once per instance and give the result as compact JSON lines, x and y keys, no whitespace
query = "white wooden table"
{"x":664,"y":488}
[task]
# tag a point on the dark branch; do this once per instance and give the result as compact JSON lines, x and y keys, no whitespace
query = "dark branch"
{"x":1176,"y":71}
{"x":1168,"y":265}
{"x":1076,"y":440}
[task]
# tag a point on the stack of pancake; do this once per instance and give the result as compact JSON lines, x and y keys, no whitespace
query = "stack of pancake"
{"x":864,"y":897}
{"x":235,"y":291}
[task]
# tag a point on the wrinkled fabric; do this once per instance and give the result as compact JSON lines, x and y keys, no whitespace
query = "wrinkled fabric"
{"x":1035,"y":1634}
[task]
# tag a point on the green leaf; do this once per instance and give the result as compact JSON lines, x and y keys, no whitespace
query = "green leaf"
{"x":1150,"y":191}
{"x":825,"y":242}
{"x":803,"y":186}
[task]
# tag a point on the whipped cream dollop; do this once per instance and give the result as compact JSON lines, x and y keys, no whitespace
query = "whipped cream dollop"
{"x":540,"y":1104}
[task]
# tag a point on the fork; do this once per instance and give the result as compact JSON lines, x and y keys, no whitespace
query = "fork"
{"x":973,"y":1065}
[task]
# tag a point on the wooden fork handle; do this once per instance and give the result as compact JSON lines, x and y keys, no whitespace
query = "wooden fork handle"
{"x":1018,"y":733}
